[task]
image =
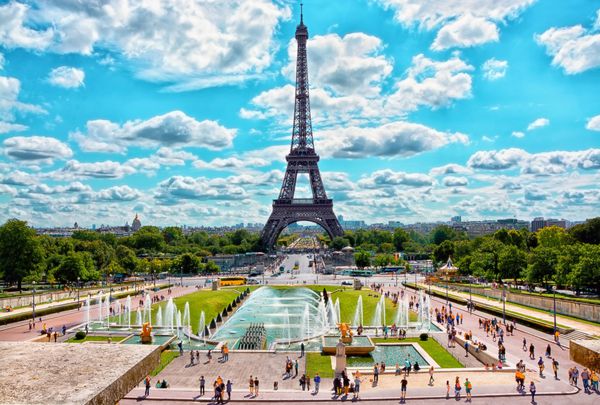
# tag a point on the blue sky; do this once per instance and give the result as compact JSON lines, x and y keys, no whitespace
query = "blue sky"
{"x":181,"y":110}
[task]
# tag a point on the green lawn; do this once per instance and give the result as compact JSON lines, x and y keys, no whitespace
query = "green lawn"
{"x":319,"y":363}
{"x":166,"y":357}
{"x":96,"y":339}
{"x":432,"y":347}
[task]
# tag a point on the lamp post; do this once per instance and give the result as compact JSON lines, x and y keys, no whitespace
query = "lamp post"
{"x":554,"y":299}
{"x":78,"y":288}
{"x":470,"y":298}
{"x":503,"y":304}
{"x":109,"y":289}
{"x":447,"y":277}
{"x":33,"y":300}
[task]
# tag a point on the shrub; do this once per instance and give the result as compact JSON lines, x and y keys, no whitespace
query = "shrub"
{"x":423,"y":337}
{"x":80,"y":335}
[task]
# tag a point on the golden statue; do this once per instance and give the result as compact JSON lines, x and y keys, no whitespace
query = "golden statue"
{"x":146,"y":333}
{"x":346,"y":332}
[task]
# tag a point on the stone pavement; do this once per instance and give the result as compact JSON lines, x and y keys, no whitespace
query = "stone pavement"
{"x":573,"y":323}
{"x":268,"y":366}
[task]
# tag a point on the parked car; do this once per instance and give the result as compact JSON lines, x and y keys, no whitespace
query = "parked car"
{"x":346,"y":282}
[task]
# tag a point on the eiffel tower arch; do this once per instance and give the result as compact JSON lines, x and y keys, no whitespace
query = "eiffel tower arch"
{"x":301,"y":159}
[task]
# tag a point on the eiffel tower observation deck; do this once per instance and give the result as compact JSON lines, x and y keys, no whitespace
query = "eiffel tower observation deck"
{"x":301,"y":159}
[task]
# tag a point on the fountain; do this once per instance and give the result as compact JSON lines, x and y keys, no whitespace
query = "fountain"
{"x":286,"y":325}
{"x":358,"y":313}
{"x":170,"y":312}
{"x":138,"y":320}
{"x":128,"y":309}
{"x":337,"y":312}
{"x":202,"y":325}
{"x":87,"y":312}
{"x":379,"y":319}
{"x":158,"y":322}
{"x":402,"y":317}
{"x":145,"y":335}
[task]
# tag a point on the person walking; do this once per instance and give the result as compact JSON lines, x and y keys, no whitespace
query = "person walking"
{"x":555,"y":368}
{"x":548,"y":351}
{"x":251,"y":385}
{"x":356,"y":386}
{"x":317,"y":383}
{"x":256,"y":386}
{"x":524,"y":344}
{"x":541,"y":366}
{"x":403,"y":385}
{"x":466,"y":348}
{"x":585,"y":378}
{"x":468,"y":388}
{"x":147,"y":382}
{"x":447,"y":388}
{"x":302,"y":349}
{"x":457,"y":388}
{"x":296,"y":368}
{"x":431,"y":380}
{"x":532,"y":351}
{"x":532,"y":391}
{"x":375,"y":374}
{"x":192,"y":357}
{"x":202,"y":385}
{"x":229,"y":387}
{"x":575,"y":375}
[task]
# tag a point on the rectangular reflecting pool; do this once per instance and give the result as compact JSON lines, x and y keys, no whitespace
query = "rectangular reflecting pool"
{"x":156,"y":340}
{"x":390,"y":354}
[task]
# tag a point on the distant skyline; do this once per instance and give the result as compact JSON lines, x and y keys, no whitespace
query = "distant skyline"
{"x":182,"y":112}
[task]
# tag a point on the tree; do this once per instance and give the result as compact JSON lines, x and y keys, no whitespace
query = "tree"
{"x":211,"y":267}
{"x":386,"y":247}
{"x":20,"y":252}
{"x":400,"y":237}
{"x":588,"y":232}
{"x":443,"y":251}
{"x":542,"y":265}
{"x":511,"y":262}
{"x":148,"y":238}
{"x":126,"y":258}
{"x":553,"y":237}
{"x":587,"y":271}
{"x":338,"y":243}
{"x":187,"y":264}
{"x":442,"y":233}
{"x":172,"y":234}
{"x":362,"y":259}
{"x":74,"y":265}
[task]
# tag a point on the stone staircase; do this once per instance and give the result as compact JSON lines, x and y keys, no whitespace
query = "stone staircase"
{"x":577,"y":335}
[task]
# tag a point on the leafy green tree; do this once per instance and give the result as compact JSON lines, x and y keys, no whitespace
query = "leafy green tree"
{"x":588,"y":232}
{"x":511,"y":262}
{"x":126,"y":258}
{"x":210,"y":267}
{"x":542,"y":265}
{"x":567,"y":259}
{"x":553,"y":237}
{"x":21,"y":255}
{"x":386,"y":247}
{"x":400,"y":237}
{"x":443,"y":251}
{"x":73,"y":266}
{"x":172,"y":234}
{"x":586,"y":273}
{"x":187,"y":264}
{"x":362,"y":259}
{"x":442,"y":233}
{"x":149,"y":238}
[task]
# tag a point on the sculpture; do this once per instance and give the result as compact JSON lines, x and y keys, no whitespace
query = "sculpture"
{"x":346,"y":332}
{"x":145,"y":334}
{"x":340,"y":358}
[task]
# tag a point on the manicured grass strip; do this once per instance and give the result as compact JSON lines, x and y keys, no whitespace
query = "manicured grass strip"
{"x":166,"y":357}
{"x":318,"y":363}
{"x":96,"y":339}
{"x":437,"y":352}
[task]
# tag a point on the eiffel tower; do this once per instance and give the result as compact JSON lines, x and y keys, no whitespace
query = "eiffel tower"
{"x":301,"y":159}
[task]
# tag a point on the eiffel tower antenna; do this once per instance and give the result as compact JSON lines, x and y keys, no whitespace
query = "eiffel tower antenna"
{"x":301,"y":159}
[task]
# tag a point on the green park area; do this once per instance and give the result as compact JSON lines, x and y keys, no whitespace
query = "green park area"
{"x":102,"y":339}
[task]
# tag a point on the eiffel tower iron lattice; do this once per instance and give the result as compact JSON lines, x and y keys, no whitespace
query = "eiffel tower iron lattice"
{"x":301,"y":159}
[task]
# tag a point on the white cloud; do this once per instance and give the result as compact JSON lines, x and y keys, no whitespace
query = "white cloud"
{"x":174,"y":129}
{"x":387,"y":177}
{"x":18,"y":178}
{"x":395,"y":139}
{"x":231,"y":163}
{"x":67,"y":77}
{"x":463,"y":22}
{"x":344,"y":65}
{"x":118,"y":193}
{"x":183,"y":188}
{"x":455,"y":181}
{"x":1,"y":61}
{"x":168,"y":41}
{"x":593,"y":123}
{"x":108,"y":169}
{"x":466,"y":31}
{"x":39,"y":149}
{"x":573,"y":48}
{"x":10,"y":88}
{"x":451,"y":168}
{"x":6,"y":127}
{"x":494,"y":69}
{"x":518,"y":134}
{"x":496,"y":160}
{"x":538,"y":123}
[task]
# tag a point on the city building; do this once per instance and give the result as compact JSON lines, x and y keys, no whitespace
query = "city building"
{"x":540,"y":222}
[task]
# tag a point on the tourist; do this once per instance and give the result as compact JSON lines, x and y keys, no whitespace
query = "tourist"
{"x":376,"y":373}
{"x":180,"y":345}
{"x":541,"y":366}
{"x":397,"y":369}
{"x":147,"y":383}
{"x":209,"y":356}
{"x":64,"y":330}
{"x":447,"y":389}
{"x":457,"y":388}
{"x":575,"y":375}
{"x":295,"y":368}
{"x":202,"y":385}
{"x":403,"y":385}
{"x":585,"y":378}
{"x":594,"y":380}
{"x":532,"y":391}
{"x":225,"y":353}
{"x":198,"y":356}
{"x":346,"y":382}
{"x":302,"y":382}
{"x":407,"y":367}
{"x":468,"y":388}
{"x":256,"y":386}
{"x":524,"y":344}
{"x":466,"y":348}
{"x":251,"y":385}
{"x":548,"y":351}
{"x":307,"y":382}
{"x":431,"y":380}
{"x":229,"y":387}
{"x":302,"y":349}
{"x":416,"y":367}
{"x":356,"y":385}
{"x":218,"y":393}
{"x":317,"y":380}
{"x":382,"y":368}
{"x":532,"y":351}
{"x":192,"y":356}
{"x":555,"y":368}
{"x":337,"y":386}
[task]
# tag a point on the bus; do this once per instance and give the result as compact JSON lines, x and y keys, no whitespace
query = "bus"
{"x":357,"y":273}
{"x":233,"y":280}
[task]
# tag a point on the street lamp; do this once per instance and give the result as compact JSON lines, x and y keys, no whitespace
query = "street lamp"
{"x":554,"y":299}
{"x":33,"y":300}
{"x":78,"y":288}
{"x":109,"y":290}
{"x":447,"y":277}
{"x":503,"y":304}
